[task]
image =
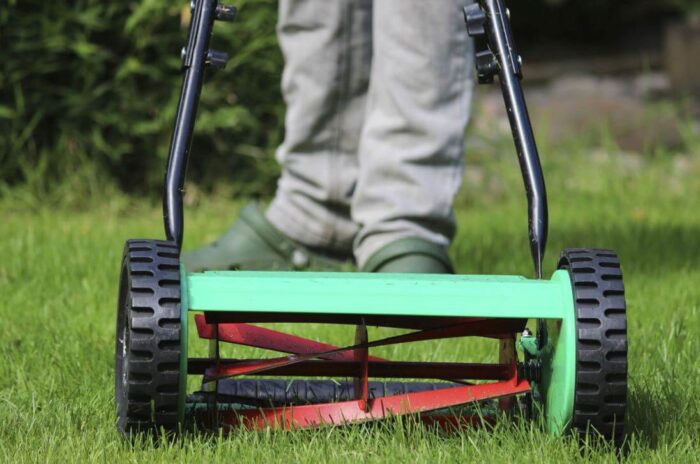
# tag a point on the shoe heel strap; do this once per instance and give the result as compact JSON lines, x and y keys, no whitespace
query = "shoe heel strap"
{"x":404,"y":247}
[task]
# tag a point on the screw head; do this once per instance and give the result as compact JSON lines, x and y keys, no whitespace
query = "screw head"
{"x":300,"y":259}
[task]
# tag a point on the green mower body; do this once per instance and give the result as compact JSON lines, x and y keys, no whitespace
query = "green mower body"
{"x":572,"y":368}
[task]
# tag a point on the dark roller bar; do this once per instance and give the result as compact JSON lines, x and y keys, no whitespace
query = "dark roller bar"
{"x":263,"y":392}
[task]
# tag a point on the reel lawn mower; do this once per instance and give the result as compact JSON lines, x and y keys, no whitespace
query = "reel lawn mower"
{"x":573,"y":369}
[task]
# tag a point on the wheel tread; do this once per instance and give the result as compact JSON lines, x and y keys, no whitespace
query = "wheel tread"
{"x":152,"y":308}
{"x":601,"y":347}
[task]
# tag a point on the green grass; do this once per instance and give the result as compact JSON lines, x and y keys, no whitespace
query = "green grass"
{"x":58,"y":284}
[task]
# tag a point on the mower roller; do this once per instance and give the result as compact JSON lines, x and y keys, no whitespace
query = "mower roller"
{"x":572,"y":369}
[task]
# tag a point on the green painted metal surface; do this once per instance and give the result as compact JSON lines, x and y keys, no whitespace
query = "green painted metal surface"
{"x":528,"y":344}
{"x":184,"y":304}
{"x":558,"y":360}
{"x":380,"y":294}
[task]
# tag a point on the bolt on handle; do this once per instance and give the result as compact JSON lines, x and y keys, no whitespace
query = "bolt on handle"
{"x":217,"y":59}
{"x":225,"y":13}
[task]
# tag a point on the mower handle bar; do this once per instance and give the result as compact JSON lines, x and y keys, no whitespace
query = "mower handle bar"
{"x":487,"y":21}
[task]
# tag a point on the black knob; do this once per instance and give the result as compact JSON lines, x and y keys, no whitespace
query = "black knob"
{"x":217,"y":59}
{"x":226,"y":13}
{"x":486,"y":66}
{"x":475,"y":18}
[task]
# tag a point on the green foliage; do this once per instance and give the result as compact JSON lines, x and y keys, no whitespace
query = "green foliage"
{"x":94,"y":82}
{"x":88,"y":89}
{"x":689,"y":7}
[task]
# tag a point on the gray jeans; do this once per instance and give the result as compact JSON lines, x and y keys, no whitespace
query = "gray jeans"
{"x":378,"y":96}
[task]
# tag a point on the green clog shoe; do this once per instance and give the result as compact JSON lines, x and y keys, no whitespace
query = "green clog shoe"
{"x":253,"y":243}
{"x":410,"y":255}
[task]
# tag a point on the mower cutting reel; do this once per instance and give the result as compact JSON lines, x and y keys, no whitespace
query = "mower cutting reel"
{"x":573,"y":368}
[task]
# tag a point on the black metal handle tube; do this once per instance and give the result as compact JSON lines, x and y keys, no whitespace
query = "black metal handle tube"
{"x":532,"y":174}
{"x":528,"y":157}
{"x":194,"y":59}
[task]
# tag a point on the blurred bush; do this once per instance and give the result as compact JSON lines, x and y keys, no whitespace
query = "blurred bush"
{"x":93,"y":84}
{"x":89,"y":88}
{"x":689,"y":7}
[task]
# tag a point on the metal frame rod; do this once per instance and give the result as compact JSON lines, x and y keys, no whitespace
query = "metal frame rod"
{"x":387,"y":295}
{"x":499,"y":57}
{"x":377,"y":369}
{"x":194,"y":57}
{"x":260,"y":337}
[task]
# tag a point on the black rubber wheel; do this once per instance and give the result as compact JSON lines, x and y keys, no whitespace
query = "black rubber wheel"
{"x":147,"y":355}
{"x":601,"y":342}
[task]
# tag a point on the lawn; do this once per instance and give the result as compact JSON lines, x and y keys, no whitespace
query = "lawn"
{"x":58,"y":285}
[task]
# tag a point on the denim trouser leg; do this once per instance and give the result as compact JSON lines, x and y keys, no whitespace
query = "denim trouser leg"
{"x":378,"y":96}
{"x":327,"y":46}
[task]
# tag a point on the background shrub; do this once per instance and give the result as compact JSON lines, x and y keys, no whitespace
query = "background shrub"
{"x":96,"y":82}
{"x":89,"y":88}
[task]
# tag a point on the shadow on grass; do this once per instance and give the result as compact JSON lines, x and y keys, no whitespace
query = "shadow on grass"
{"x":643,"y":248}
{"x":657,"y":418}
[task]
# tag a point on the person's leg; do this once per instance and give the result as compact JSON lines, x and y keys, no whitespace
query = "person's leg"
{"x":411,"y":150}
{"x":327,"y":45}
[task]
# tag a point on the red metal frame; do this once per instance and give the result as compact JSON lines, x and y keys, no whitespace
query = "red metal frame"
{"x":397,"y":322}
{"x":312,"y":358}
{"x":260,"y":337}
{"x":347,"y":412}
{"x":379,"y":369}
{"x":361,"y":382}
